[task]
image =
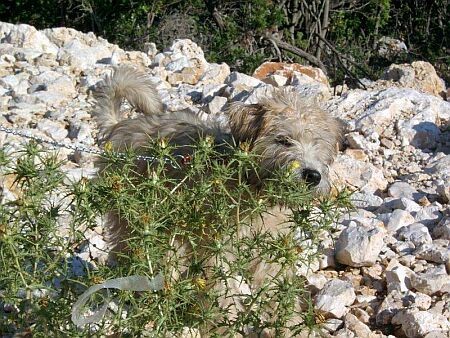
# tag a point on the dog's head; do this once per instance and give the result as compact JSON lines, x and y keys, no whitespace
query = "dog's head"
{"x":288,"y":131}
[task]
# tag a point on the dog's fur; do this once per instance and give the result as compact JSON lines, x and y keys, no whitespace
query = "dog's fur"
{"x":281,"y":128}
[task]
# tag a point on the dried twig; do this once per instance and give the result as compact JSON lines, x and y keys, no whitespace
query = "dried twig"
{"x":297,"y":51}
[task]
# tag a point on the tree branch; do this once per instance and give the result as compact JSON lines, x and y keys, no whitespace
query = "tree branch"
{"x":297,"y":51}
{"x":340,"y":55}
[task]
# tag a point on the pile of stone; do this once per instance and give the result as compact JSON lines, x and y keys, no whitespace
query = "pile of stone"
{"x":386,"y":269}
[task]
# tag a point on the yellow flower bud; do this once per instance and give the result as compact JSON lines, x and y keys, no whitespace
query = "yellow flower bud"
{"x":108,"y":146}
{"x":200,"y":283}
{"x":294,"y":165}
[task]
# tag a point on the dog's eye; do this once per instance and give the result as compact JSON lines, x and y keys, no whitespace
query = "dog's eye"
{"x":284,"y":141}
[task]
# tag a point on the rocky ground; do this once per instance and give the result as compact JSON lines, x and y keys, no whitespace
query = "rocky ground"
{"x":386,"y":272}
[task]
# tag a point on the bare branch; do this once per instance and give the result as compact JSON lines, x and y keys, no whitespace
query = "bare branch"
{"x":297,"y":51}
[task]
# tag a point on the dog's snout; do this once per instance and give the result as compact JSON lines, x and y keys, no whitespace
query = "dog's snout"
{"x":311,"y":176}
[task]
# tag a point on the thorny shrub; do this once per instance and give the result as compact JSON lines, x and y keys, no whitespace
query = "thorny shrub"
{"x":42,"y":231}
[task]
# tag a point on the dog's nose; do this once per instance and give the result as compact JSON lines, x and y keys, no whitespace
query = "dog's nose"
{"x":311,"y":176}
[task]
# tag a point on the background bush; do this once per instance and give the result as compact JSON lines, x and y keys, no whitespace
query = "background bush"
{"x":338,"y":33}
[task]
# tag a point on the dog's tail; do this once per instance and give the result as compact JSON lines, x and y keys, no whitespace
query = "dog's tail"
{"x":125,"y":83}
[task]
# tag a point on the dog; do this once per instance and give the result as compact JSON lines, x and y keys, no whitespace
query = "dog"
{"x":282,"y":129}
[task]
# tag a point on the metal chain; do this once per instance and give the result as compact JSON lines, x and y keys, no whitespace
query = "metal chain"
{"x":86,"y":149}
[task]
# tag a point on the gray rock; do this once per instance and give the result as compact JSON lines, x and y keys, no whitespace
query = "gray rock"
{"x":363,"y":176}
{"x":54,"y":130}
{"x":389,"y":307}
{"x":366,"y":201}
{"x":359,"y":246}
{"x":418,"y":323}
{"x":432,"y":252}
{"x":442,"y":230}
{"x":444,"y":191}
{"x":398,"y":219}
{"x":403,"y":189}
{"x":360,"y":329}
{"x":216,"y":105}
{"x":432,"y":281}
{"x":440,"y":167}
{"x":334,"y":298}
{"x":398,"y":277}
{"x":416,"y":233}
{"x":402,"y":203}
{"x":429,"y":215}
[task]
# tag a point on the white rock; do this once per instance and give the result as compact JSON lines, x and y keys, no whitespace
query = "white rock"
{"x":403,"y":189}
{"x":358,"y":141}
{"x":420,"y":75}
{"x":332,"y":324}
{"x":27,"y":37}
{"x":240,"y":81}
{"x":419,"y":132}
{"x":366,"y":201}
{"x":432,"y":281}
{"x":433,"y":252}
{"x":422,"y":301}
{"x":358,"y":246}
{"x":416,"y":233}
{"x":418,"y":323}
{"x":178,"y":64}
{"x":215,"y":73}
{"x":360,"y":329}
{"x":54,"y":82}
{"x":55,"y":130}
{"x":398,"y":219}
{"x":216,"y":104}
{"x":316,"y":282}
{"x":334,"y":298}
{"x":398,"y":277}
{"x":389,"y":307}
{"x":358,"y":174}
{"x":80,"y":56}
{"x":429,"y":215}
{"x":378,"y":109}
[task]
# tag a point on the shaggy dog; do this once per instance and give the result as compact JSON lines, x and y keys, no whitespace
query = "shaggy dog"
{"x":281,"y":129}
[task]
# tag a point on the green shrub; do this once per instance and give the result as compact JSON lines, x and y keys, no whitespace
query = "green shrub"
{"x":41,"y":233}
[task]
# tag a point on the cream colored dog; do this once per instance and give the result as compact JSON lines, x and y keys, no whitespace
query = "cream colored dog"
{"x":281,"y":129}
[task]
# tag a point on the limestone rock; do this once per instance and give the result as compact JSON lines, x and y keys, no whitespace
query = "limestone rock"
{"x":359,"y":246}
{"x":431,"y":281}
{"x":418,"y":75}
{"x":289,"y":71}
{"x":358,"y":174}
{"x":416,"y":233}
{"x":26,"y":36}
{"x":398,"y":277}
{"x":398,"y":219}
{"x":442,"y":230}
{"x":334,"y":298}
{"x":418,"y":323}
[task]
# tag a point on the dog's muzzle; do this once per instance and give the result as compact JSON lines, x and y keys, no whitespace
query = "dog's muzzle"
{"x":312,"y":177}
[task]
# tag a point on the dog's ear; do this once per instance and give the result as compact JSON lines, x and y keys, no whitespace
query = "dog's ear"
{"x":246,"y":121}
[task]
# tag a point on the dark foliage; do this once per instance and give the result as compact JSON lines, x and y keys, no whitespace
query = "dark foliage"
{"x":343,"y":35}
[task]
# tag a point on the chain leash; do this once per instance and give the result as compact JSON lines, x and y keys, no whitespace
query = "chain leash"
{"x":85,"y":149}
